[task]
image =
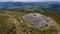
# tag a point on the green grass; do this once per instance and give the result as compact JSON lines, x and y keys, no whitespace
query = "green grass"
{"x":7,"y":26}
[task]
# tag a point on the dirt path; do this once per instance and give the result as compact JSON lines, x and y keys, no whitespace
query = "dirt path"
{"x":17,"y":25}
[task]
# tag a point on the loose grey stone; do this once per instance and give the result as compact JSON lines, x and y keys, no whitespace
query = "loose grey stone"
{"x":38,"y":20}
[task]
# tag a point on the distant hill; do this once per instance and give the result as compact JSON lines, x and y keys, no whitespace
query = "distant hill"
{"x":31,"y":6}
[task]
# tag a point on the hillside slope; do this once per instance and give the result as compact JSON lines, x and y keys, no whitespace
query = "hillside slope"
{"x":12,"y":23}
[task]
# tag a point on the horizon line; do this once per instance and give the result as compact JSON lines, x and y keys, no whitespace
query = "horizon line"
{"x":29,"y":1}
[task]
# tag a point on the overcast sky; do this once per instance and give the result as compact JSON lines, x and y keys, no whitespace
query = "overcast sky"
{"x":27,"y":0}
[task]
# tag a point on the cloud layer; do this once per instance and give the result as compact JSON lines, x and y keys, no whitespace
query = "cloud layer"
{"x":27,"y":0}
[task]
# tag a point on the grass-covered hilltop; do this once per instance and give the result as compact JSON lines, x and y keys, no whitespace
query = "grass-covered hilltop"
{"x":11,"y":21}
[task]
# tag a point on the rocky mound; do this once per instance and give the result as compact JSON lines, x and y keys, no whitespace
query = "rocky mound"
{"x":38,"y":20}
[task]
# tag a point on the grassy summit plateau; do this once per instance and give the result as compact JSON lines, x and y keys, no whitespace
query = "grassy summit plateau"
{"x":11,"y":22}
